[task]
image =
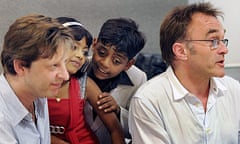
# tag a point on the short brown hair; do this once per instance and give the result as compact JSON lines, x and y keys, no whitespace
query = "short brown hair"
{"x":174,"y":26}
{"x":32,"y":37}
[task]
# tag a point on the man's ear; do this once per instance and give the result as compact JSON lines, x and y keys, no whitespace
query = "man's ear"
{"x":130,"y":63}
{"x":19,"y":66}
{"x":180,"y":51}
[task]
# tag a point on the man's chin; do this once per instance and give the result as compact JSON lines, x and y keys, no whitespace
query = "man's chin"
{"x":52,"y":93}
{"x":220,"y":74}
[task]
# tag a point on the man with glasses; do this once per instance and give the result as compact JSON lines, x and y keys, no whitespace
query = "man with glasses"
{"x":192,"y":102}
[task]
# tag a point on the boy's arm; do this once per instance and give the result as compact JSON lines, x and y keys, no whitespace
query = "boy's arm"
{"x":56,"y":140}
{"x":107,"y":103}
{"x":109,"y":119}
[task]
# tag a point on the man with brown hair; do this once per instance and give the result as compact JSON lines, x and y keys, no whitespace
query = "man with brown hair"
{"x":192,"y":102}
{"x":33,"y":60}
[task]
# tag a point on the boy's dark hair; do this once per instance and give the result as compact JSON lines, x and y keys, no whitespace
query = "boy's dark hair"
{"x":77,"y":31}
{"x":122,"y":33}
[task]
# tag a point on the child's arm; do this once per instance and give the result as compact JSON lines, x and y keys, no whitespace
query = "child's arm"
{"x":109,"y":119}
{"x":56,"y":140}
{"x":107,"y":103}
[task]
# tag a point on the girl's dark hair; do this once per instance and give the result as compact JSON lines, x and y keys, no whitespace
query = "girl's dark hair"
{"x":77,"y":31}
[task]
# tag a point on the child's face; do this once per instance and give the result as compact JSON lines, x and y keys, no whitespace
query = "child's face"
{"x":77,"y":56}
{"x":108,"y":63}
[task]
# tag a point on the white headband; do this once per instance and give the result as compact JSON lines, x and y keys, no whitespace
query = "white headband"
{"x":67,"y":24}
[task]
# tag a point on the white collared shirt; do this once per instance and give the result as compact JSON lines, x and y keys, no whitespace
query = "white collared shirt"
{"x":16,"y":124}
{"x":163,"y":111}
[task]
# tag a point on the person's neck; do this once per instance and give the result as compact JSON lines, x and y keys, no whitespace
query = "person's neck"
{"x":63,"y":91}
{"x":196,"y":84}
{"x":24,"y":94}
{"x":32,"y":111}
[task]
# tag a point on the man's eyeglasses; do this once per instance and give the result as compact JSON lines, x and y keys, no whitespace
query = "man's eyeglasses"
{"x":215,"y":42}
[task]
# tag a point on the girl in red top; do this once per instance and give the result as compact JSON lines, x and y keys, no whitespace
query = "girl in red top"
{"x":66,"y":110}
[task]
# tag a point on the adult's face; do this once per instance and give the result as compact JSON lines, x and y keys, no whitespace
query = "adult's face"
{"x":204,"y":58}
{"x":45,"y":76}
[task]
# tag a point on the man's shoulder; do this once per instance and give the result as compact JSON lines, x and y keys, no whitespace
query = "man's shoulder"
{"x":228,"y":82}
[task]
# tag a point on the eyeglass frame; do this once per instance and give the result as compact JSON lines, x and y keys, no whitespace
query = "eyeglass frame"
{"x":215,"y":42}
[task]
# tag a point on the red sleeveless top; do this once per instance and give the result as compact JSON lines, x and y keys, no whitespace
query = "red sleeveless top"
{"x":67,"y":119}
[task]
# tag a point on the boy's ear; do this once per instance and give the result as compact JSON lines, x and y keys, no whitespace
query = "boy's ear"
{"x":130,"y":63}
{"x":94,"y":43}
{"x":19,"y":66}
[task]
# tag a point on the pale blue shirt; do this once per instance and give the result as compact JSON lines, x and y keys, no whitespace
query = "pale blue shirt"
{"x":162,"y":111}
{"x":16,"y":124}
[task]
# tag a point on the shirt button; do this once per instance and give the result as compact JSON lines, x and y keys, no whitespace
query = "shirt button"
{"x":208,"y":130}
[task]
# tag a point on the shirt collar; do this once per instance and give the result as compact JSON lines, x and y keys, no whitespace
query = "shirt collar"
{"x":40,"y":104}
{"x":180,"y":92}
{"x":17,"y":111}
{"x":217,"y":87}
{"x":124,"y":79}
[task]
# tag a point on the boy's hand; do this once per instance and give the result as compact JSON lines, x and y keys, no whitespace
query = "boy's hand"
{"x":107,"y":103}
